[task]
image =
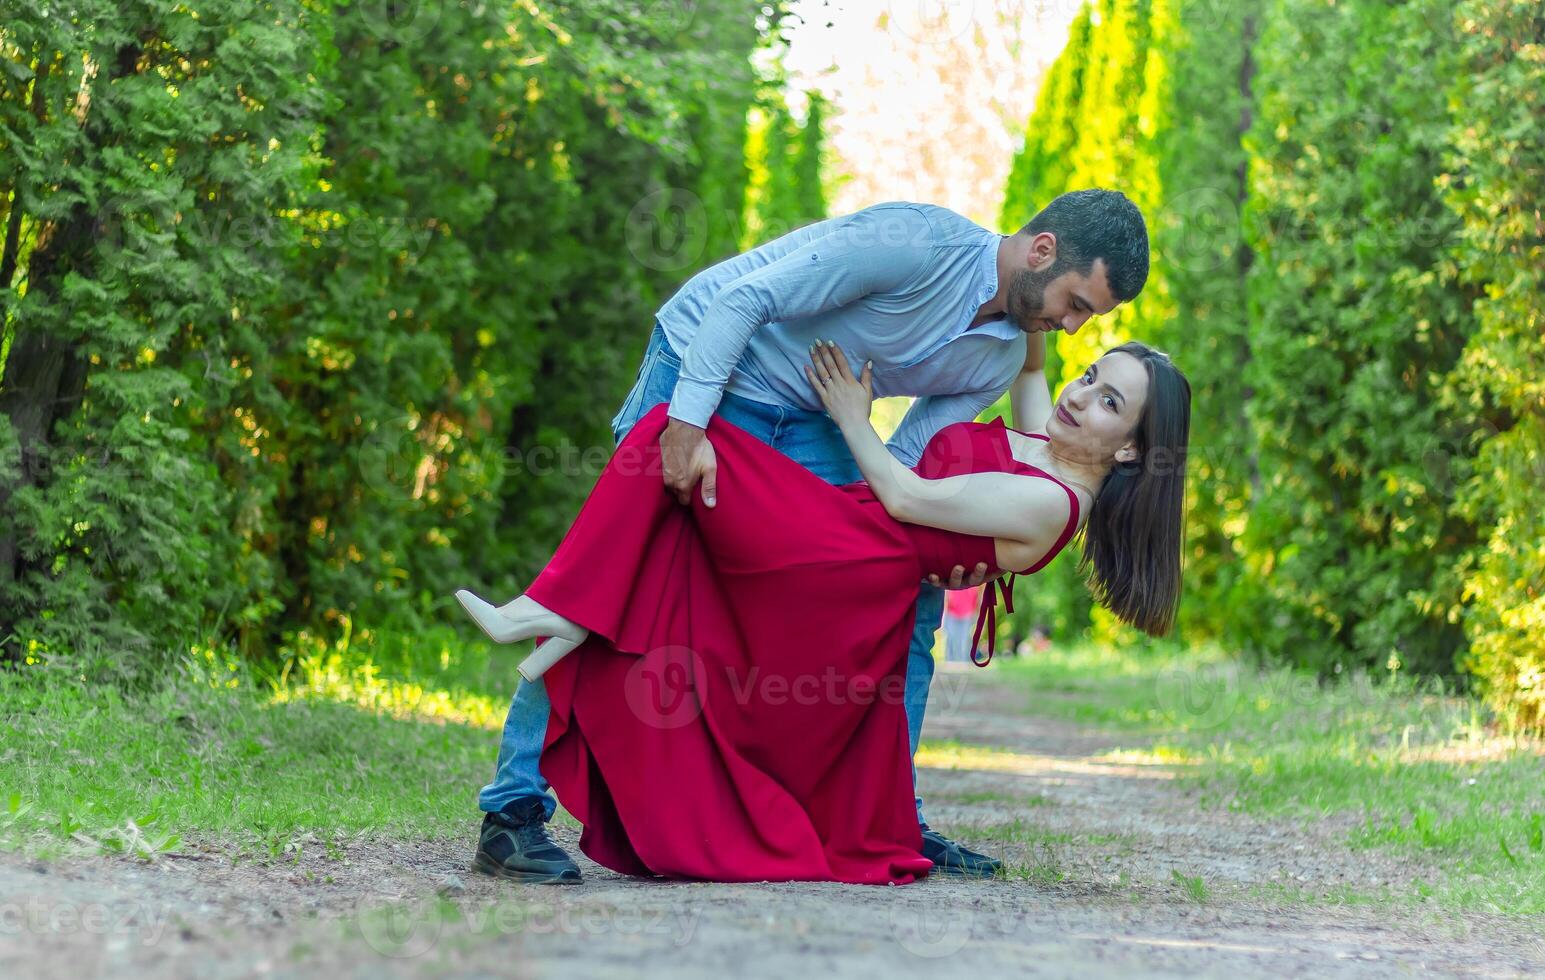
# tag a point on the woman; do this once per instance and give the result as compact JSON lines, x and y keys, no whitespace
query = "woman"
{"x":733,"y":709}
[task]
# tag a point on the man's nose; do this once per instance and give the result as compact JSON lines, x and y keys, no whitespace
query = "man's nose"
{"x":1072,"y":321}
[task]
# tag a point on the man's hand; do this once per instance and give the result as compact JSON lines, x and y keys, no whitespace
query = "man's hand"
{"x":688,"y":457}
{"x":959,"y":581}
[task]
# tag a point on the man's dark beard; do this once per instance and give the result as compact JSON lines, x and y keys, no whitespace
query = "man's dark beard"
{"x":1027,"y":295}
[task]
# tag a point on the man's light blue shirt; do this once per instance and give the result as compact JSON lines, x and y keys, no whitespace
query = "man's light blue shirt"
{"x":898,"y":283}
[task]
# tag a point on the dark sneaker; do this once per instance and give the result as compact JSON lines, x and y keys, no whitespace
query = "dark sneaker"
{"x":514,"y":844}
{"x":951,"y":858}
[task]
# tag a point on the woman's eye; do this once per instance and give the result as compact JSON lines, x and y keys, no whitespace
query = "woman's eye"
{"x":1110,"y":402}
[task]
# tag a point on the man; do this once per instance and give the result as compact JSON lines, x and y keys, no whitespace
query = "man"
{"x":938,"y":303}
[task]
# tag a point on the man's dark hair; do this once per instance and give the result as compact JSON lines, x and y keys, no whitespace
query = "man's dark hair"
{"x":1098,"y":224}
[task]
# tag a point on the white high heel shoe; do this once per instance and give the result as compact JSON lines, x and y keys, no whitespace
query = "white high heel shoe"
{"x":549,"y":653}
{"x":501,"y":630}
{"x":487,"y":616}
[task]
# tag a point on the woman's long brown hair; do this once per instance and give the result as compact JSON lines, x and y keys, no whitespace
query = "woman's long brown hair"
{"x":1135,"y":531}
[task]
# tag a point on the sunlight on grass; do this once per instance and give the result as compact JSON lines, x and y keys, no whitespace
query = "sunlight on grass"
{"x":373,"y":734}
{"x":1422,"y":770}
{"x":956,"y":755}
{"x":986,"y":758}
{"x":1157,"y":755}
{"x":329,"y":676}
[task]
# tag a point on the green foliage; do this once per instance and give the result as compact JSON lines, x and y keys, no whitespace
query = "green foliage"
{"x":1399,"y":763}
{"x":313,"y":312}
{"x":783,"y":155}
{"x":1353,"y":328}
{"x":1343,"y":201}
{"x":1497,"y":169}
{"x":141,"y":141}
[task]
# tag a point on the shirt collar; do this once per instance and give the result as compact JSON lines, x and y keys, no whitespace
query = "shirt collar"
{"x":987,"y":275}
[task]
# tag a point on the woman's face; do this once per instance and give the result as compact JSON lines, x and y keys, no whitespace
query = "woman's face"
{"x":1096,"y":415}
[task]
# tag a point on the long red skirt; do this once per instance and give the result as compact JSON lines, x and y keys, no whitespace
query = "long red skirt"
{"x":736,"y":713}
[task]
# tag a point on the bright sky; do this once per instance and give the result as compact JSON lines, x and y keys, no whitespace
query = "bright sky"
{"x":931,"y":96}
{"x":930,"y":100}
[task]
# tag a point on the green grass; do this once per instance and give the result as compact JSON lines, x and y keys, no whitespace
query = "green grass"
{"x":391,"y":735}
{"x":1191,"y":886}
{"x":1414,"y":771}
{"x":355,"y":738}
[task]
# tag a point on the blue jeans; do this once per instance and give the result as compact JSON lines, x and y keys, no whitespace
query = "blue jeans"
{"x":810,"y":439}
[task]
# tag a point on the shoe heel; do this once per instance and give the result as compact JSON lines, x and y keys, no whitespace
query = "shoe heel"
{"x":549,"y":653}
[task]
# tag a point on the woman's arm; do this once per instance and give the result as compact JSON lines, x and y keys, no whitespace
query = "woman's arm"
{"x":1029,"y":394}
{"x":999,"y":505}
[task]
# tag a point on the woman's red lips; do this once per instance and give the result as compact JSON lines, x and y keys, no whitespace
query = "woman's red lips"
{"x":1062,"y":414}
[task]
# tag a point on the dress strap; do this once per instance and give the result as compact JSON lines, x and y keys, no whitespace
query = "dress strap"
{"x":998,"y":419}
{"x":988,"y":616}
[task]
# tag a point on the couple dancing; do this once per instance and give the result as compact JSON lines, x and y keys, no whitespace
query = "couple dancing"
{"x":738,"y":626}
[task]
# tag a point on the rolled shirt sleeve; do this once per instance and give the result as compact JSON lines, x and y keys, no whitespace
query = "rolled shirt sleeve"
{"x":879,"y":250}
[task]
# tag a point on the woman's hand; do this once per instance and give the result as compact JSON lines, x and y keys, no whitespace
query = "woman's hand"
{"x":847,"y":399}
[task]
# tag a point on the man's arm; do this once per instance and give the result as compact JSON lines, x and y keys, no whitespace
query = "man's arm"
{"x":930,"y":413}
{"x":879,"y":250}
{"x":954,"y":504}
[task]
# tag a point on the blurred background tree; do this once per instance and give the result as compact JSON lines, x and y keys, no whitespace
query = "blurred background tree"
{"x":312,"y":312}
{"x":1344,"y":200}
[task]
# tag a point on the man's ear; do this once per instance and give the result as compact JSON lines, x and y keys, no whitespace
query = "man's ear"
{"x":1043,"y":251}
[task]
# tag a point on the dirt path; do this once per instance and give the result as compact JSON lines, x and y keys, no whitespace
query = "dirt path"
{"x":1103,"y":845}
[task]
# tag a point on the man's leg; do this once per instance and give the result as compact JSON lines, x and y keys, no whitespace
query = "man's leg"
{"x":947,"y":856}
{"x":516,"y":775}
{"x":813,"y":440}
{"x":512,"y":843}
{"x":930,"y":610}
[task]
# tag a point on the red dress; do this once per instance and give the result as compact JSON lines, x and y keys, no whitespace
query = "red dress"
{"x":736,"y":713}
